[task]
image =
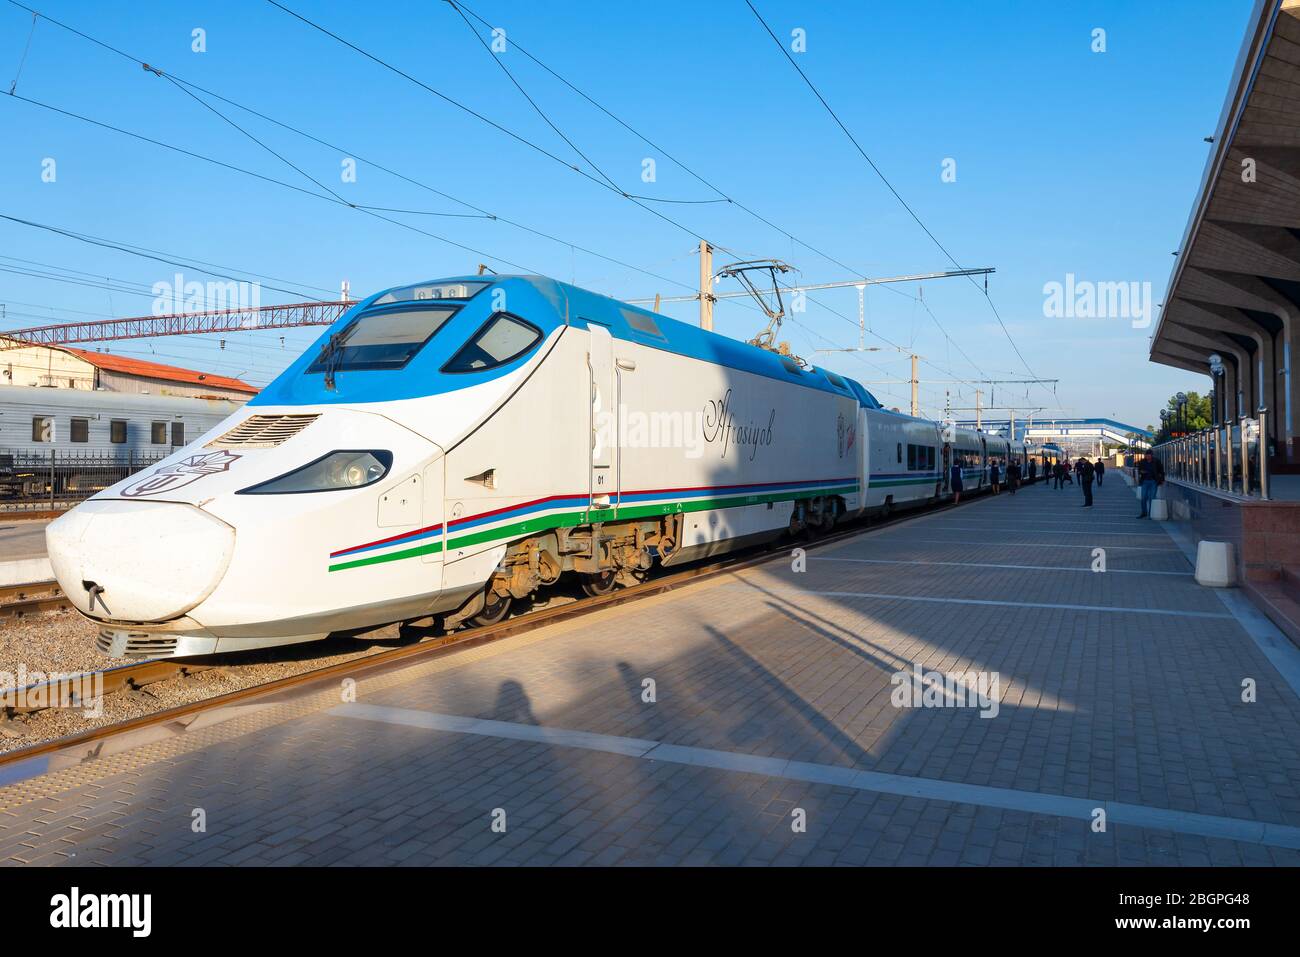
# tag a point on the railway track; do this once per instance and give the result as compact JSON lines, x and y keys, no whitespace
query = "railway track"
{"x":19,"y":601}
{"x":139,"y":674}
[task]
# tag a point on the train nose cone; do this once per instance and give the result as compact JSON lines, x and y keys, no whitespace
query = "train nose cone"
{"x":138,"y":561}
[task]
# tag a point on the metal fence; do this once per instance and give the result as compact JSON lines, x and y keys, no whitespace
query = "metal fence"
{"x":1224,"y":457}
{"x":35,"y":481}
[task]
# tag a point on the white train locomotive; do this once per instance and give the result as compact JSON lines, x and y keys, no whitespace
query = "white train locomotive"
{"x":448,"y":447}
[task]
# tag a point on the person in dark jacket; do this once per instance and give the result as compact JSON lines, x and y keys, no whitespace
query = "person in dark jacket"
{"x":1151,"y":475}
{"x":955,"y":481}
{"x":1086,"y":475}
{"x":1058,"y":473}
{"x":995,"y":477}
{"x":1033,"y":471}
{"x":1100,"y":469}
{"x":1013,"y":476}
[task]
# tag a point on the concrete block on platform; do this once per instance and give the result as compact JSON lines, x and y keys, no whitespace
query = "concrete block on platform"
{"x":1160,"y":510}
{"x":1216,"y":565}
{"x":25,"y":570}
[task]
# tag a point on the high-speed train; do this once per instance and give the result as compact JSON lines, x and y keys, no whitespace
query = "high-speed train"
{"x":449,"y":447}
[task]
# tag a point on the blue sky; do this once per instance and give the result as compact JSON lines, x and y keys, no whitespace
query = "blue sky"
{"x":1067,"y":161}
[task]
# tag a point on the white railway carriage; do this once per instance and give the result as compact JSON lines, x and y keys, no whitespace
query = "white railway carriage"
{"x":968,"y":446}
{"x":37,"y":420}
{"x":905,"y":460}
{"x":448,"y":447}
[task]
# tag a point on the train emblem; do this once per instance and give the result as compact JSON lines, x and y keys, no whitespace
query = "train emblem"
{"x":182,"y":473}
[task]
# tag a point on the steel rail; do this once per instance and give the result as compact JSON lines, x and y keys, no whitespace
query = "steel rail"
{"x":439,"y":645}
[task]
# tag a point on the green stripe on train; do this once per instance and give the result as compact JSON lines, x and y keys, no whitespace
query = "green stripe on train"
{"x":568,"y":519}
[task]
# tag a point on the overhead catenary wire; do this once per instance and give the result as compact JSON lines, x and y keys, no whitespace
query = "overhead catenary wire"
{"x":495,"y":125}
{"x":462,"y":8}
{"x":195,"y":87}
{"x":890,"y":186}
{"x":182,"y":84}
{"x":107,"y":244}
{"x":724,"y":196}
{"x":456,"y":5}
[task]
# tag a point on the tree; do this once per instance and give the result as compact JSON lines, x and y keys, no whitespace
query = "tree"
{"x":1195,"y":415}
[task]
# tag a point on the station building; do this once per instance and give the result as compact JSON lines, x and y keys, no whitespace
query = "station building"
{"x":1232,"y":310}
{"x":66,"y":368}
{"x":1232,"y":314}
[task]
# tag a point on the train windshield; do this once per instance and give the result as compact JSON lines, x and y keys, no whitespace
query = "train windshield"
{"x":381,"y":339}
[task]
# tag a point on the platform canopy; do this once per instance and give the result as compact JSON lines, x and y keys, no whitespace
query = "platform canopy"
{"x":1232,"y":310}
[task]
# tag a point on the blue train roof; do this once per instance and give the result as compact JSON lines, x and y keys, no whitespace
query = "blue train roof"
{"x":542,"y":302}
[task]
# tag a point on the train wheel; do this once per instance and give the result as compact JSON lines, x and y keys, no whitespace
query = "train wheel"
{"x":599,"y":584}
{"x":496,"y":609}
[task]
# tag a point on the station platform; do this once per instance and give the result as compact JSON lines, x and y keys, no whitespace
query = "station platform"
{"x":760,"y":718}
{"x":23,"y":557}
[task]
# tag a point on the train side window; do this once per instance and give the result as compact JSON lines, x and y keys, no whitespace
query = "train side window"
{"x":42,"y":428}
{"x":900,"y":453}
{"x":178,"y":434}
{"x":80,"y":430}
{"x":158,"y":433}
{"x":502,"y":339}
{"x":117,"y":431}
{"x":911,"y":457}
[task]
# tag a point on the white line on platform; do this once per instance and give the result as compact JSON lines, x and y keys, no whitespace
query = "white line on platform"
{"x":1031,"y":568}
{"x":1033,"y":802}
{"x":930,"y":599}
{"x":1075,"y":521}
{"x":947,"y":541}
{"x":1053,"y":531}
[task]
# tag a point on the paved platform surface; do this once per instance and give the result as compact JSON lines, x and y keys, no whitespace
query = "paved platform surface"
{"x":21,"y":538}
{"x":775,"y":733}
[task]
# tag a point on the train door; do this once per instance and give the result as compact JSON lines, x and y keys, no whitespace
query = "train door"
{"x":435,"y":509}
{"x":602,"y":488}
{"x":984,"y":461}
{"x":947,"y":436}
{"x":864,"y":459}
{"x":945,"y":469}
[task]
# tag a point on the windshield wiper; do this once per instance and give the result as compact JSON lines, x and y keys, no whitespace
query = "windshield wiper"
{"x":331,"y":357}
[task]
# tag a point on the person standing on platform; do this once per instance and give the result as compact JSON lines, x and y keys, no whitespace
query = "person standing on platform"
{"x":1058,"y":473}
{"x":1086,"y":474}
{"x":955,"y":480}
{"x":995,"y":477}
{"x":1013,"y":476}
{"x":1151,"y":475}
{"x":1033,"y":471}
{"x":1100,"y":469}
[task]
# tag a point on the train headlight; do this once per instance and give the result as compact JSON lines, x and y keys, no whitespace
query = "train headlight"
{"x":337,"y":470}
